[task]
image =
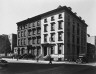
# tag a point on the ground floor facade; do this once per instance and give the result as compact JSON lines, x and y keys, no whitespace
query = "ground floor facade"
{"x":56,"y":50}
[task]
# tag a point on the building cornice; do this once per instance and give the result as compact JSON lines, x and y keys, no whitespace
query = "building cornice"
{"x":60,"y":8}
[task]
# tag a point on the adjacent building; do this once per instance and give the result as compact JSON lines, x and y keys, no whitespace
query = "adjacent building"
{"x":4,"y":45}
{"x":91,"y":48}
{"x":59,"y":33}
{"x":29,"y":37}
{"x":13,"y":41}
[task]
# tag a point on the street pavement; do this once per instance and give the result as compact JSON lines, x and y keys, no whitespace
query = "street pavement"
{"x":22,"y":66}
{"x":45,"y":62}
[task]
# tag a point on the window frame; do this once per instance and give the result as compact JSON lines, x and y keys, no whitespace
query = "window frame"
{"x":60,"y":16}
{"x":53,"y":26}
{"x":52,"y":18}
{"x":45,"y":37}
{"x":60,"y":38}
{"x":45,"y":28}
{"x":52,"y":35}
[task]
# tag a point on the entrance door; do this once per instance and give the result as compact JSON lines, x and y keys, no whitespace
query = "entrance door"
{"x":18,"y":51}
{"x":45,"y":51}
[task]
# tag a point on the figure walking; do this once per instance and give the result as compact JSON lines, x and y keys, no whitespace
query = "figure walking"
{"x":50,"y":60}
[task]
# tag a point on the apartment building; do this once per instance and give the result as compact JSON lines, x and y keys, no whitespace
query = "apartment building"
{"x":62,"y":34}
{"x":29,"y":37}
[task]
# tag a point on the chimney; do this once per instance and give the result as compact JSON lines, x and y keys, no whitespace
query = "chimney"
{"x":59,"y":6}
{"x":70,"y":8}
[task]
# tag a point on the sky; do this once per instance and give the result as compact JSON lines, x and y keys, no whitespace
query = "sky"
{"x":13,"y":11}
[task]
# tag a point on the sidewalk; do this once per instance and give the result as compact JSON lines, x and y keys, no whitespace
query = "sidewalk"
{"x":44,"y":62}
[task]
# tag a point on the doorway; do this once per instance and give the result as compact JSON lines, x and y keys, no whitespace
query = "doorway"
{"x":45,"y":51}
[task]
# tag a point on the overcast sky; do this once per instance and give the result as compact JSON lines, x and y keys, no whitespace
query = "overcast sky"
{"x":13,"y":11}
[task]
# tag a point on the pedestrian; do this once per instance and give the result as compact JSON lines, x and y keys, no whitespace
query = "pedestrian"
{"x":50,"y":60}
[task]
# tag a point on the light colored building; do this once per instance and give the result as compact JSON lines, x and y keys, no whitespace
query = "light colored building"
{"x":52,"y":35}
{"x":62,"y":34}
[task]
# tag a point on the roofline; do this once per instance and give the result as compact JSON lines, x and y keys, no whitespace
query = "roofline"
{"x":38,"y":17}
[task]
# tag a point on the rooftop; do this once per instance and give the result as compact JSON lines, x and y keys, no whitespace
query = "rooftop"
{"x":59,"y":8}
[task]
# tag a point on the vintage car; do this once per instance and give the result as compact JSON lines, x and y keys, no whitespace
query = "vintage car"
{"x":3,"y":62}
{"x":82,"y":59}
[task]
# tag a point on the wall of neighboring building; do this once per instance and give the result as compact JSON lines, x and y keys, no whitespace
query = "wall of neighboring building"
{"x":91,"y":40}
{"x":29,"y":37}
{"x":13,"y":41}
{"x":4,"y":44}
{"x":75,"y":36}
{"x":91,"y":48}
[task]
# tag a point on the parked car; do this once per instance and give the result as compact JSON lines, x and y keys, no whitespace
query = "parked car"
{"x":82,"y":59}
{"x":3,"y":62}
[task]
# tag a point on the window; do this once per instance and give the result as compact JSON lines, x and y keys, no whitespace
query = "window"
{"x":24,"y":41}
{"x":38,"y":51}
{"x":53,"y":26}
{"x":29,"y":25}
{"x":29,"y":41}
{"x":52,"y":37}
{"x":60,"y":16}
{"x":78,"y":40}
{"x":21,"y":33}
{"x":38,"y":40}
{"x":38,"y":30}
{"x":33,"y":24}
{"x":68,"y":18}
{"x":52,"y":18}
{"x":19,"y":42}
{"x":24,"y":33}
{"x":52,"y":49}
{"x":78,"y":50}
{"x":60,"y":25}
{"x":22,"y":27}
{"x":73,"y":28}
{"x":73,"y":21}
{"x":45,"y":20}
{"x":73,"y":39}
{"x":29,"y":32}
{"x":45,"y":27}
{"x":33,"y":40}
{"x":78,"y":29}
{"x":38,"y":23}
{"x":33,"y":31}
{"x":25,"y":26}
{"x":68,"y":26}
{"x":45,"y":37}
{"x":68,"y":47}
{"x":18,"y":34}
{"x":68,"y":37}
{"x":59,"y":36}
{"x":18,"y":27}
{"x":60,"y":47}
